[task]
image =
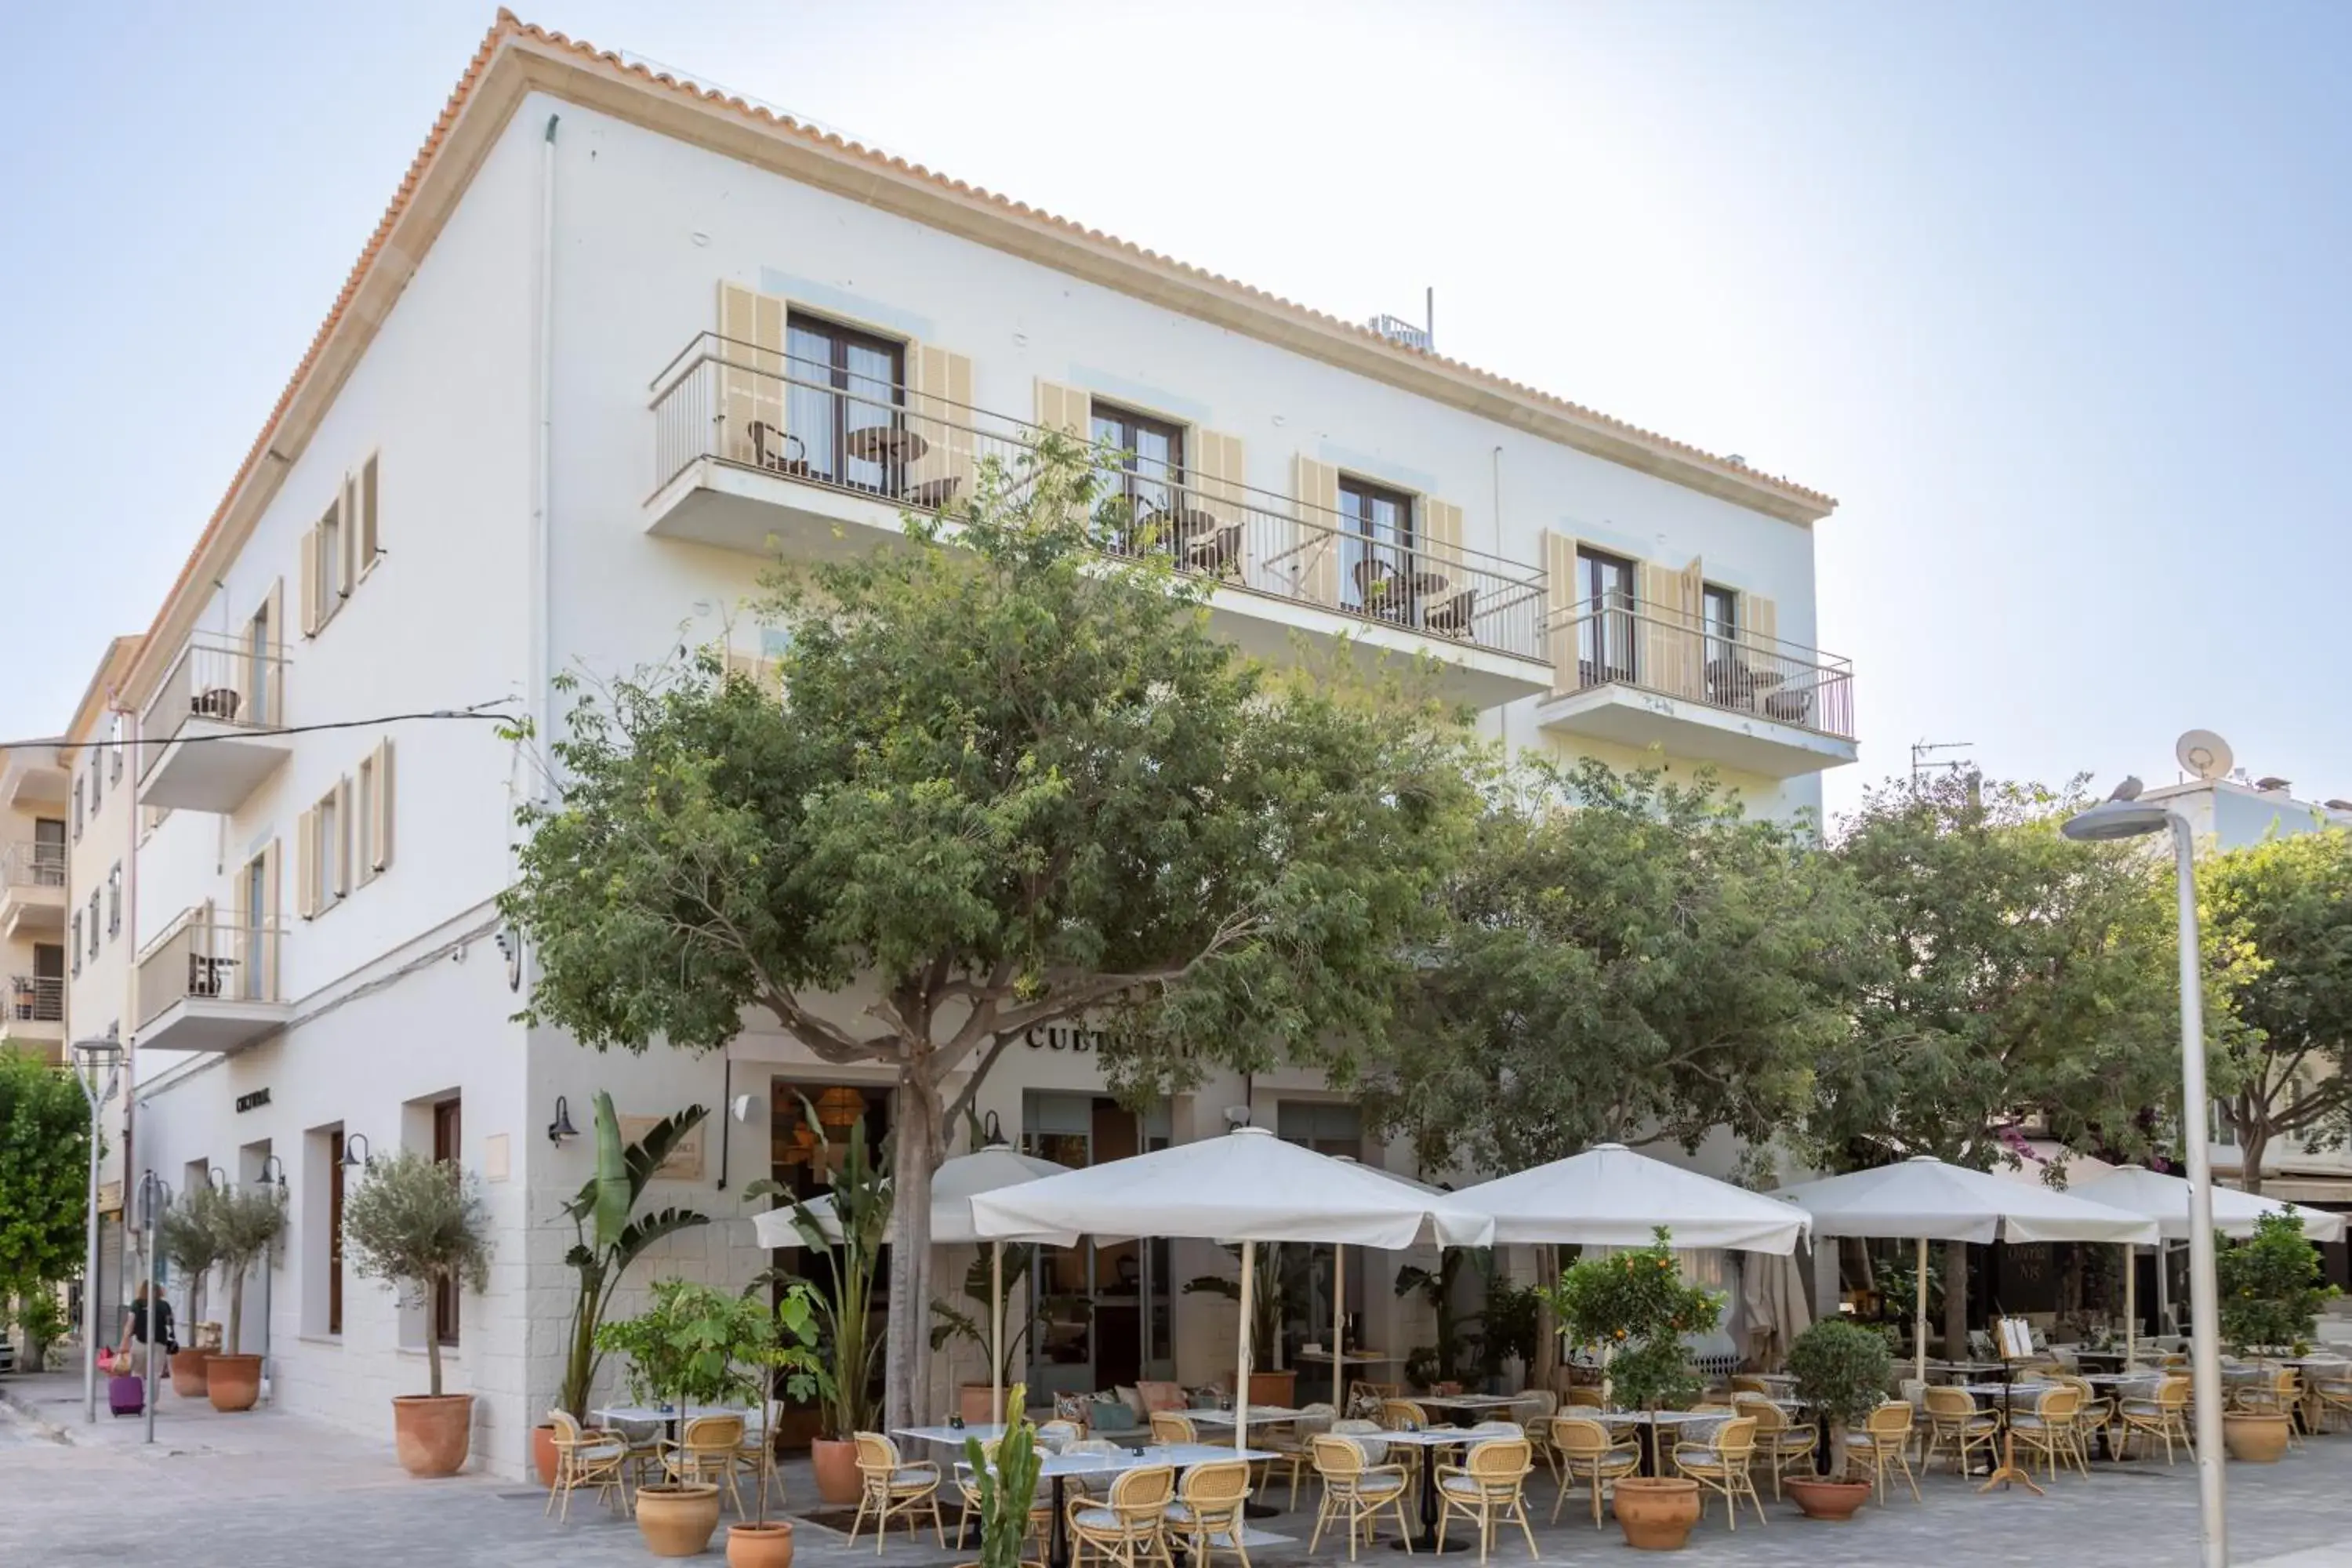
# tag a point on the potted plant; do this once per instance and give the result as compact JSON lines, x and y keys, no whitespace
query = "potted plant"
{"x":1008,"y":1485}
{"x":1280,"y":1285}
{"x":850,"y":1240}
{"x":1634,"y":1308}
{"x":246,"y":1224}
{"x":185,"y":1232}
{"x":950,"y":1321}
{"x":419,"y":1224}
{"x":789,"y":1346}
{"x":1841,"y":1370}
{"x":2271,"y":1296}
{"x":692,"y":1346}
{"x":608,"y":1236}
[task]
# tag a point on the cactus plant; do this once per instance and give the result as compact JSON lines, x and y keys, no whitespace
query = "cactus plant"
{"x":1008,"y":1485}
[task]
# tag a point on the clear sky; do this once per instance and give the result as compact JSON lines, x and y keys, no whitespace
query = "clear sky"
{"x":2053,"y":297}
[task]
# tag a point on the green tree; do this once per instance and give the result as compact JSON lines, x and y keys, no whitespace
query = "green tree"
{"x":44,"y":1176}
{"x":1010,"y":782}
{"x":1634,"y":1308}
{"x":419,"y":1224}
{"x":608,"y":1234}
{"x":2270,"y":1287}
{"x":2277,"y":928}
{"x":2008,"y":972}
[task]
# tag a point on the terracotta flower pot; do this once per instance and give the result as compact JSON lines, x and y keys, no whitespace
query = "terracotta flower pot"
{"x":432,"y":1431}
{"x":542,"y":1452}
{"x":1656,"y":1513}
{"x":676,"y":1520}
{"x":2253,"y":1436}
{"x":233,"y":1381}
{"x":760,"y":1546}
{"x":836,"y":1463}
{"x":974,"y":1401}
{"x":1276,"y":1388}
{"x":188,"y":1373}
{"x":1833,"y":1501}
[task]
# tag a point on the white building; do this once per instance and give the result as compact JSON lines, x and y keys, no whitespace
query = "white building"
{"x":614,"y":343}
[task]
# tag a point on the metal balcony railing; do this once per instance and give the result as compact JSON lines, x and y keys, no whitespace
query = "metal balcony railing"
{"x":1611,"y":642}
{"x":37,"y":998}
{"x":209,"y":957}
{"x":222,"y":680}
{"x":725,"y":401}
{"x":32,"y":864}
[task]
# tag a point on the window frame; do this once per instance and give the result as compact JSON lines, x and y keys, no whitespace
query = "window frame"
{"x":114,"y":900}
{"x":1130,"y":478}
{"x":1360,"y":543}
{"x":840,"y":338}
{"x":1607,"y":638}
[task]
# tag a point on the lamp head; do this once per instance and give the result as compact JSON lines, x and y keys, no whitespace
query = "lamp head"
{"x":357,"y":1151}
{"x":561,"y":1130}
{"x":2112,"y":819}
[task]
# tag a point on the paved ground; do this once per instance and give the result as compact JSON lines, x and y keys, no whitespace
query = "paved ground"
{"x":268,"y":1490}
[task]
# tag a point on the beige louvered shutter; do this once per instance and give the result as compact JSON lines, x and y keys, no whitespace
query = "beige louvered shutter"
{"x":368,"y":544}
{"x":1065,"y":408}
{"x":750,"y":375}
{"x":348,"y":534}
{"x":1316,"y":551}
{"x":1759,"y":624}
{"x":310,"y":582}
{"x":380,"y":816}
{"x":1439,"y":546}
{"x":939,"y":410}
{"x":1666,"y":646}
{"x":342,"y":870}
{"x":264,"y":922}
{"x":306,"y":869}
{"x":1217,"y":477}
{"x":1561,"y":609}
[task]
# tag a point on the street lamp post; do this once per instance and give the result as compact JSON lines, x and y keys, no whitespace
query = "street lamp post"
{"x":2129,"y":818}
{"x":97,"y":1068}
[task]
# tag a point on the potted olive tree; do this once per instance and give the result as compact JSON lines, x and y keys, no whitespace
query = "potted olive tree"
{"x":1634,"y":1308}
{"x":1841,"y":1370}
{"x":2271,"y":1294}
{"x":185,"y":1232}
{"x":419,"y":1224}
{"x":245,"y":1223}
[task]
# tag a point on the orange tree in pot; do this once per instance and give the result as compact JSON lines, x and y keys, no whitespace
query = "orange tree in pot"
{"x":419,"y":1224}
{"x":1841,"y":1370}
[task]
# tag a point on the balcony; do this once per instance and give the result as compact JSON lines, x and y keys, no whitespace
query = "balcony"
{"x":33,"y":777}
{"x":32,"y":889}
{"x":210,"y":983}
{"x":33,"y":1017}
{"x":209,"y":735}
{"x":729,"y":475}
{"x":1644,"y":677}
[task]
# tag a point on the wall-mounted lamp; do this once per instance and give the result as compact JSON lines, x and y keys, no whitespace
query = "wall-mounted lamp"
{"x":561,"y":1130}
{"x":269,"y":1163}
{"x":356,"y":1150}
{"x":992,"y":1133}
{"x":216,"y":1178}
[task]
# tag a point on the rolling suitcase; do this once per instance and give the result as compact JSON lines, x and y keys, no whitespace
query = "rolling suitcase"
{"x":126,"y":1395}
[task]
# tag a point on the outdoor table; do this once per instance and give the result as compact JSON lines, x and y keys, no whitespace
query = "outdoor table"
{"x":1473,"y":1403}
{"x":1650,"y":1421}
{"x":885,"y":444}
{"x":2105,"y":1358}
{"x":1259,"y":1416}
{"x":645,"y":1414}
{"x":1429,"y":1439}
{"x":1961,"y":1370}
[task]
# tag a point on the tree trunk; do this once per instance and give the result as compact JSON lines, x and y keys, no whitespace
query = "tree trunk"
{"x":433,"y":1346}
{"x":232,"y":1344}
{"x":2254,"y":1139}
{"x":1547,"y":1367}
{"x":1956,"y":1300}
{"x":906,"y":1346}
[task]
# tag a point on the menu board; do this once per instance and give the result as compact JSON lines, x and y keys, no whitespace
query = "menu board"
{"x":2015,"y":1338}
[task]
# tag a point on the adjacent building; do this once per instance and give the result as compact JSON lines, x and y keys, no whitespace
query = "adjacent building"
{"x":617,"y":342}
{"x":34,"y":793}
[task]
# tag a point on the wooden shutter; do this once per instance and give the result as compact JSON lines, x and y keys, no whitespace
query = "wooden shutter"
{"x":265,"y":921}
{"x":1760,"y":624}
{"x":751,"y":371}
{"x":1440,"y":543}
{"x":341,"y":881}
{"x":1561,"y":609}
{"x":938,"y":409}
{"x":306,"y":869}
{"x":1662,"y":664}
{"x":1066,"y":408}
{"x":379,"y":851}
{"x":1218,"y":475}
{"x":310,"y":582}
{"x":1316,"y":550}
{"x":349,"y":535}
{"x":368,"y":545}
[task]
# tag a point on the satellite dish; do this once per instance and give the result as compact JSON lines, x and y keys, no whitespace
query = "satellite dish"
{"x":2204,"y":753}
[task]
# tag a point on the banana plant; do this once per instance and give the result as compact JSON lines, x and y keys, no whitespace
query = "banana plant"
{"x":606,"y":1239}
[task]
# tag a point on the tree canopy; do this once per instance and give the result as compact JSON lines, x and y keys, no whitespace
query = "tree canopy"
{"x":44,"y":1176}
{"x":1010,"y":780}
{"x":2277,"y":930}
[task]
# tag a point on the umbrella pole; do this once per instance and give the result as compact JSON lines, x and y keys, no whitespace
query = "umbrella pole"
{"x":1919,"y":1322}
{"x":1241,"y":1384}
{"x":1338,"y":1329}
{"x":996,"y":1334}
{"x":2131,"y":1315}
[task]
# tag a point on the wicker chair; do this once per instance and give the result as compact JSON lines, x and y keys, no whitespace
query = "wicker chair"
{"x":1581,"y":1397}
{"x":2047,"y":1430}
{"x":1291,"y":1445}
{"x":1130,"y":1526}
{"x":1357,"y":1493}
{"x":1588,"y":1453}
{"x":1720,"y":1465}
{"x":1169,"y":1426}
{"x":2165,"y":1416}
{"x":1402,"y":1415}
{"x":591,"y":1456}
{"x":1207,"y":1512}
{"x":1883,"y":1442}
{"x":1782,"y":1445}
{"x":1533,"y":1410}
{"x":705,"y":1451}
{"x":1744,"y":1382}
{"x":1487,"y":1488}
{"x":2094,"y":1413}
{"x":2328,"y":1399}
{"x":1953,"y":1418}
{"x":1056,"y":1434}
{"x":889,"y":1485}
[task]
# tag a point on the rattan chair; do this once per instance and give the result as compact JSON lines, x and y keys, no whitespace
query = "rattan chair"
{"x":1588,"y":1453}
{"x":705,"y":1451}
{"x":2276,"y":1394}
{"x":1720,"y":1465}
{"x":1781,"y":1444}
{"x":1357,"y":1493}
{"x":1533,"y":1409}
{"x":1291,"y":1445}
{"x":2328,"y":1399}
{"x":1581,"y":1397}
{"x":593,"y":1456}
{"x":1953,"y":1418}
{"x":1882,"y":1441}
{"x":1487,"y":1488}
{"x":1207,"y":1514}
{"x":1744,"y":1382}
{"x":889,"y":1485}
{"x":2048,"y":1429}
{"x":1056,"y":1434}
{"x":2165,"y":1416}
{"x":1130,"y":1526}
{"x":2094,"y":1413}
{"x":1402,"y":1415}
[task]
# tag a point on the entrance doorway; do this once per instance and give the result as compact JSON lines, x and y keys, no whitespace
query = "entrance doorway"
{"x":1101,"y":1309}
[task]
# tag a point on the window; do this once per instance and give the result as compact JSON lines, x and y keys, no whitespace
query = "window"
{"x":1376,"y":569}
{"x":1719,"y":609}
{"x":323,"y":853}
{"x":335,"y":1232}
{"x":75,"y":944}
{"x":114,"y":900}
{"x":446,"y":1146}
{"x":114,"y":752}
{"x":1604,"y":628}
{"x":48,"y":997}
{"x":368,"y":547}
{"x":1143,"y":478}
{"x":96,"y":781}
{"x":372,"y":818}
{"x":49,"y":851}
{"x":93,"y":922}
{"x":261,"y":670}
{"x":842,"y":406}
{"x":331,"y":586}
{"x":330,"y":851}
{"x":79,"y":810}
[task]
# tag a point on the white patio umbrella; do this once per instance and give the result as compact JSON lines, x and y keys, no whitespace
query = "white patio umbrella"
{"x":953,"y":1185}
{"x":1611,"y":1197}
{"x":2165,"y":1199}
{"x":1247,"y":1186}
{"x":1923,"y":1199}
